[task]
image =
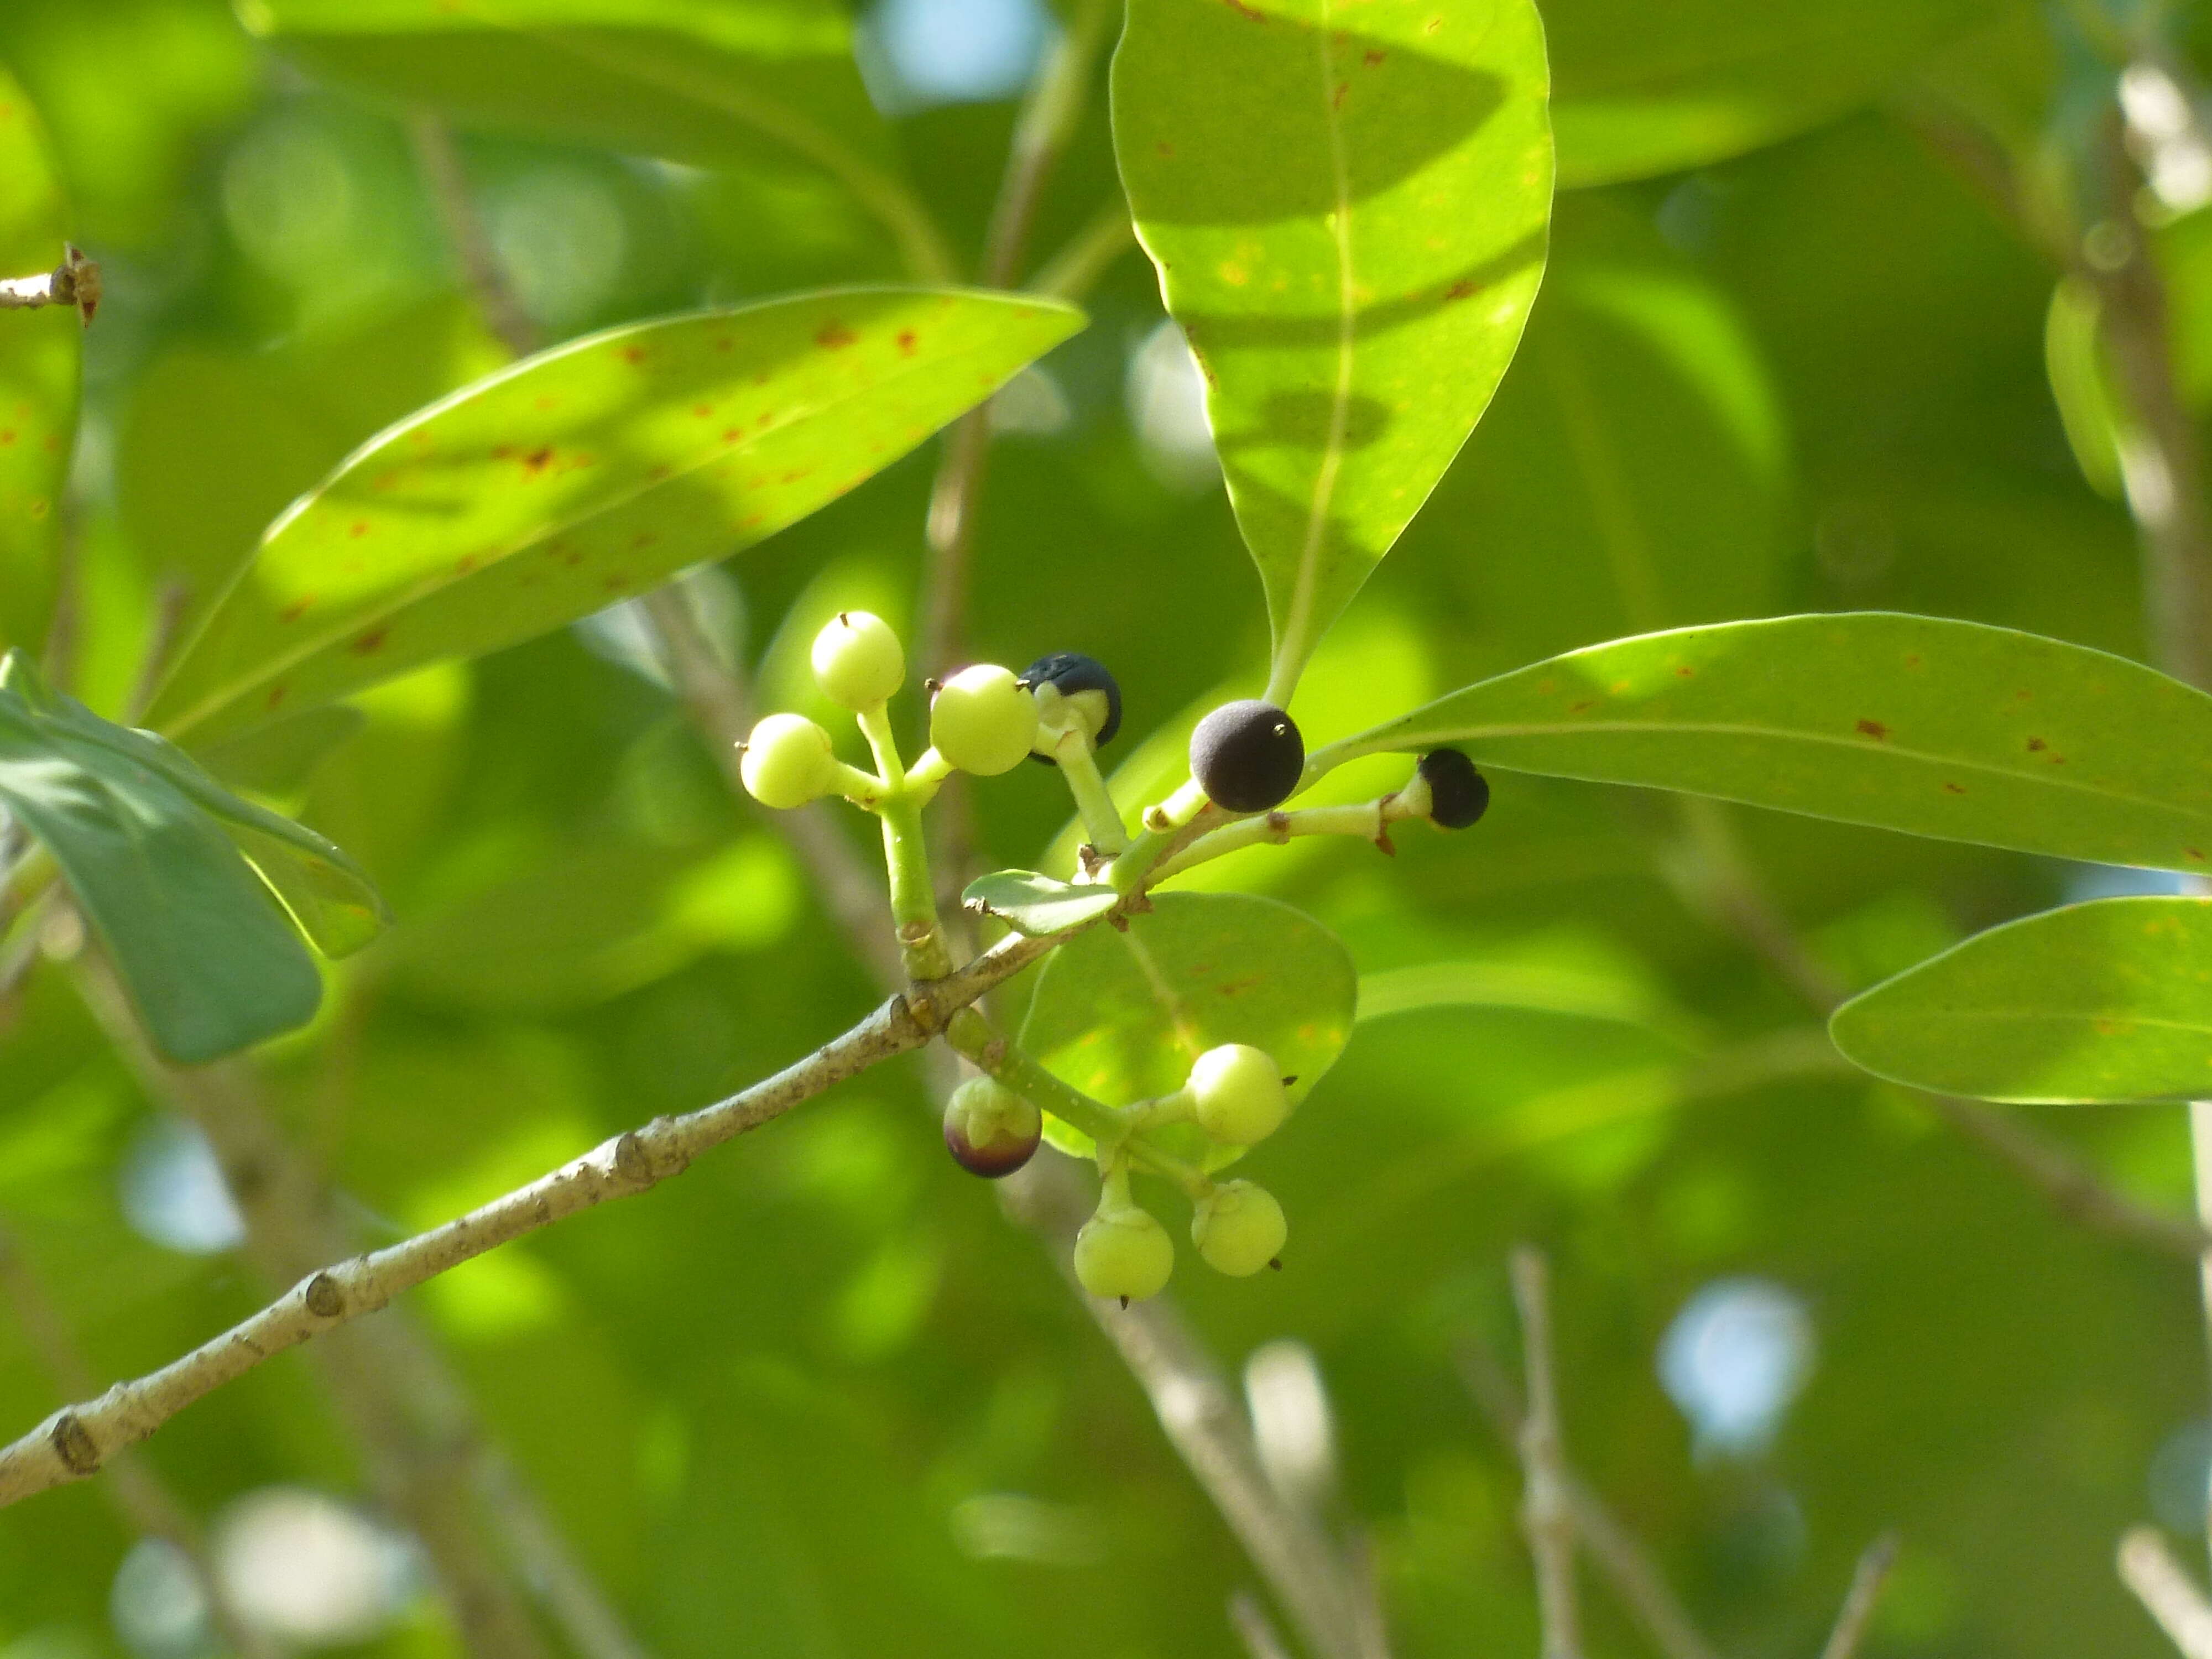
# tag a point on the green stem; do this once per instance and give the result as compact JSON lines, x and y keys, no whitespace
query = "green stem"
{"x":1101,"y":819}
{"x":914,"y":895}
{"x":1165,"y":828}
{"x":1364,"y":820}
{"x":883,"y":744}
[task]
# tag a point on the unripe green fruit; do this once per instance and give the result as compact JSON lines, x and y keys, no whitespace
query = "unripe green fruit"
{"x":1248,"y":755}
{"x":1238,"y":1095}
{"x":787,"y":762}
{"x":1123,"y":1253}
{"x":857,"y":662}
{"x":983,"y":721}
{"x":1239,"y":1228}
{"x":989,"y":1129}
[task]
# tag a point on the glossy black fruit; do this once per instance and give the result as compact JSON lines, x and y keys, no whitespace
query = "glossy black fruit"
{"x":1084,"y":682}
{"x":1248,"y":755}
{"x":1458,"y":794}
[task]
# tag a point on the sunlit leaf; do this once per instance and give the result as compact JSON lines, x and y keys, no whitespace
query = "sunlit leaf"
{"x":1939,"y":728}
{"x":39,"y":354}
{"x":1349,"y":223}
{"x":1122,"y":1015}
{"x":209,"y":959}
{"x":1643,"y":89}
{"x":585,"y":474}
{"x":1036,"y":906}
{"x":2109,"y":1000}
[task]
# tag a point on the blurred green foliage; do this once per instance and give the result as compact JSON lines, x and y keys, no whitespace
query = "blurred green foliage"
{"x":817,"y":1397}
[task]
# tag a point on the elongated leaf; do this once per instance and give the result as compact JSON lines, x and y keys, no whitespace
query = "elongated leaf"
{"x":1349,"y":223}
{"x":583,"y":474}
{"x":1122,"y":1015}
{"x":1528,"y":987}
{"x":38,"y":355}
{"x":2109,"y":1000}
{"x":731,"y":82}
{"x":1036,"y":906}
{"x":208,"y":958}
{"x":1644,"y":88}
{"x":329,"y":894}
{"x":1947,"y":729}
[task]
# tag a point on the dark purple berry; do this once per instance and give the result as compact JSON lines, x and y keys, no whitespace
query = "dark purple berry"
{"x":1458,"y":794}
{"x":1084,"y":682}
{"x":989,"y":1129}
{"x":1248,"y":755}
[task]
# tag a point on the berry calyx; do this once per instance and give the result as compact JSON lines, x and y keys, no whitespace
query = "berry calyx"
{"x":983,"y":721}
{"x":787,"y":762}
{"x":1123,"y":1252}
{"x":1458,"y":794}
{"x":858,"y":660}
{"x":1248,"y":755}
{"x":1239,"y":1228}
{"x":989,"y":1129}
{"x":1236,"y":1094}
{"x":1069,"y":685}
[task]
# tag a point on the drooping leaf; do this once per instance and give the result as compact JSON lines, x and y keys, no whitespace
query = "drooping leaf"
{"x":38,"y":356}
{"x":329,"y":894}
{"x":2109,"y":1000}
{"x":1122,"y":1015}
{"x":585,"y":474}
{"x":1947,"y":729}
{"x":712,"y":85}
{"x":209,"y":961}
{"x":1529,"y":988}
{"x":1642,"y":89}
{"x":1349,"y":223}
{"x":1036,"y":906}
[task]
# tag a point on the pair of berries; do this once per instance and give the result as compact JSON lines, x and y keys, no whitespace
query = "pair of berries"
{"x":1248,"y":756}
{"x":1122,"y":1252}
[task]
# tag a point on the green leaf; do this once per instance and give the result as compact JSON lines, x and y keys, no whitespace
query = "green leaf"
{"x":1947,"y":729}
{"x":209,"y":961}
{"x":39,"y":357}
{"x":1528,"y":987}
{"x":1641,"y":89}
{"x":2109,"y":1000}
{"x":586,"y":474}
{"x":1350,"y":227}
{"x":1122,"y":1015}
{"x":329,"y":894}
{"x":2079,"y":385}
{"x":1036,"y":906}
{"x":711,"y":86}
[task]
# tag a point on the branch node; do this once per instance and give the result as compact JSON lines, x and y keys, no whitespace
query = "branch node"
{"x":324,"y":1297}
{"x":74,"y":1444}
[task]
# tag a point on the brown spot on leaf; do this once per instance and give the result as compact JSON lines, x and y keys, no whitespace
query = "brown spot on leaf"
{"x":615,"y":581}
{"x":908,"y":340}
{"x":466,"y":563}
{"x":276,"y":695}
{"x":544,"y":402}
{"x":370,"y":643}
{"x":1912,"y":660}
{"x":703,"y":411}
{"x":358,"y":529}
{"x":833,"y":336}
{"x":7,"y":438}
{"x":722,"y":343}
{"x":1245,"y":11}
{"x":643,"y":538}
{"x":1166,"y":149}
{"x":1578,"y":708}
{"x":297,"y":608}
{"x":537,"y":460}
{"x":1874,"y":729}
{"x":2036,"y":745}
{"x":633,"y":354}
{"x":1465,"y":288}
{"x":1954,"y":789}
{"x":1683,"y":672}
{"x":1371,"y":57}
{"x":2194,"y":853}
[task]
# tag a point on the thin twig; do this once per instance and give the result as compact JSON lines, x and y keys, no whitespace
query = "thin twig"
{"x":143,"y":1500}
{"x":1086,"y":256}
{"x":1867,"y":1582}
{"x":1249,"y":1620}
{"x":1545,"y":1513}
{"x":1619,"y":1554}
{"x":2148,"y":1568}
{"x":439,"y":161}
{"x":76,"y":1441}
{"x":75,"y":282}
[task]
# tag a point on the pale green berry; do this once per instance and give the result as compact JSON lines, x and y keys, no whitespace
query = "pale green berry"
{"x":1123,"y":1253}
{"x":983,"y":721}
{"x":787,"y":762}
{"x":1239,"y":1228}
{"x":857,"y":662}
{"x":989,"y":1129}
{"x":1238,"y":1094}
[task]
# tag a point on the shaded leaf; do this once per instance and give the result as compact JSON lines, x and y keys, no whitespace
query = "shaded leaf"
{"x":1527,"y":986}
{"x":1350,"y":227}
{"x":38,"y":356}
{"x":209,"y":960}
{"x":588,"y":472}
{"x":1641,"y":89}
{"x":2109,"y":1000}
{"x":1036,"y":906}
{"x":1122,"y":1015}
{"x":1947,"y":729}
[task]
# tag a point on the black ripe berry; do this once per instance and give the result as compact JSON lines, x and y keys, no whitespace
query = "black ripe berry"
{"x":1084,"y":681}
{"x":1458,"y":794}
{"x":1248,"y":755}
